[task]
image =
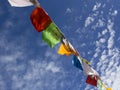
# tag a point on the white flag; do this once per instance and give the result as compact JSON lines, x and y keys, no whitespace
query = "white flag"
{"x":89,"y":70}
{"x":20,"y":3}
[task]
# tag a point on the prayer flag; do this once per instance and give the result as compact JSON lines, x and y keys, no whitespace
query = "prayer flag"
{"x":91,"y":79}
{"x":40,"y":19}
{"x":89,"y":70}
{"x":68,"y":45}
{"x":85,"y":61}
{"x":100,"y":85}
{"x":20,"y":3}
{"x":63,"y":50}
{"x":66,"y":48}
{"x":52,"y":35}
{"x":77,"y":62}
{"x":108,"y":88}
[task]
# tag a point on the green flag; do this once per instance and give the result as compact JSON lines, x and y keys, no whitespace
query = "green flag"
{"x":52,"y":35}
{"x":101,"y":86}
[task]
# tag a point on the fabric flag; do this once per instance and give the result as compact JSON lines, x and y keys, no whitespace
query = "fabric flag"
{"x":40,"y":19}
{"x":20,"y":3}
{"x":52,"y":35}
{"x":62,"y":50}
{"x":89,"y":70}
{"x":108,"y":88}
{"x":66,"y":48}
{"x":91,"y":79}
{"x":85,"y":61}
{"x":68,"y":45}
{"x":77,"y":62}
{"x":101,"y":86}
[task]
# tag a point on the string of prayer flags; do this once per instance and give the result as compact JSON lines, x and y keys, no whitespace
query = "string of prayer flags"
{"x":20,"y":3}
{"x":52,"y":35}
{"x":77,"y":62}
{"x":91,"y":79}
{"x":40,"y":19}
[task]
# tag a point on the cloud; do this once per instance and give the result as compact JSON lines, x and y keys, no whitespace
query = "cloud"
{"x":51,"y":66}
{"x":2,"y":84}
{"x":102,"y":40}
{"x":68,"y":10}
{"x":88,"y":21}
{"x":106,"y":51}
{"x":109,"y":58}
{"x":113,"y":13}
{"x":96,"y":6}
{"x":104,"y":32}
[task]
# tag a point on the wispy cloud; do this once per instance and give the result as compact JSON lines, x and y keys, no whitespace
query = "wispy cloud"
{"x":96,"y":6}
{"x":68,"y":10}
{"x":109,"y":59}
{"x":106,"y":51}
{"x":88,"y":21}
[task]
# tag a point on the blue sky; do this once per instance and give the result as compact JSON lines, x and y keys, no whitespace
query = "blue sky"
{"x":27,"y":63}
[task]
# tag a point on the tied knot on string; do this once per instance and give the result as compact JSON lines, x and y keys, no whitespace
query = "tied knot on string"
{"x":35,"y":2}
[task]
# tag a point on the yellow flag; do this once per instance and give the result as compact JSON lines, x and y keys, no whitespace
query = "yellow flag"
{"x":108,"y":88}
{"x":63,"y":50}
{"x":86,"y":61}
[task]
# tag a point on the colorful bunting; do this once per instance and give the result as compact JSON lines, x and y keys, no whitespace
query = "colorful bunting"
{"x":20,"y":3}
{"x":77,"y":62}
{"x":52,"y":35}
{"x":40,"y":19}
{"x":91,"y":79}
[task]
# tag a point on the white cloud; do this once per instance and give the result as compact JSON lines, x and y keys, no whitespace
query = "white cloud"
{"x":100,"y":23}
{"x":68,"y":10}
{"x":109,"y":59}
{"x":88,"y":21}
{"x":102,"y":40}
{"x":96,"y":6}
{"x":37,"y":75}
{"x":112,"y":34}
{"x":12,"y":57}
{"x":51,"y":66}
{"x":104,"y":31}
{"x":2,"y":84}
{"x":115,"y":13}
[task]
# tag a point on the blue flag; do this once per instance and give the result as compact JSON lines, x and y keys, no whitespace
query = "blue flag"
{"x":77,"y":62}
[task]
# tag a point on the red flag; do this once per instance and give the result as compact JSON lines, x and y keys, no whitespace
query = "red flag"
{"x":92,"y":80}
{"x":40,"y":19}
